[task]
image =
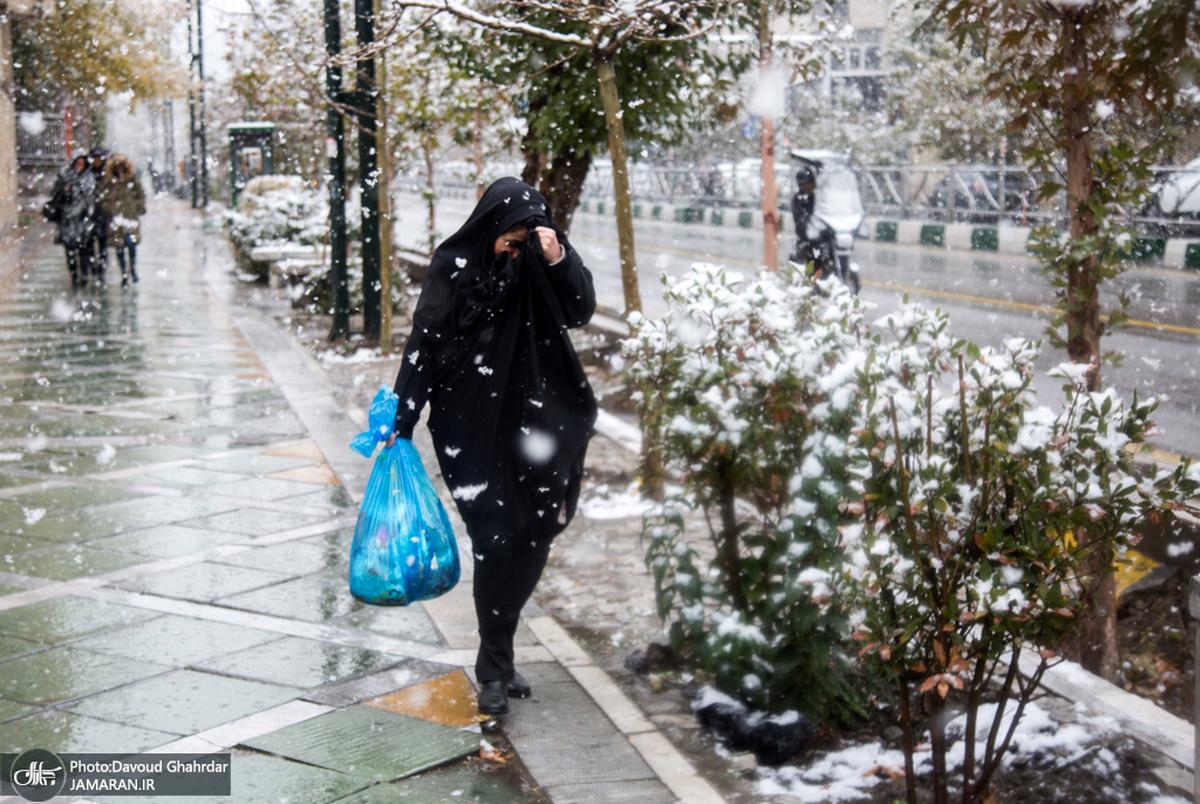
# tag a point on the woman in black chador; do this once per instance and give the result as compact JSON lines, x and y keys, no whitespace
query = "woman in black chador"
{"x":511,"y":410}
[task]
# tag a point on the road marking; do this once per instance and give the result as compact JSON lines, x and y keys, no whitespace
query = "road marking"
{"x":942,"y":294}
{"x":1037,"y":308}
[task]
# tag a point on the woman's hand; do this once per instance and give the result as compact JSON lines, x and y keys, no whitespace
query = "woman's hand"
{"x":550,"y":245}
{"x":391,"y":440}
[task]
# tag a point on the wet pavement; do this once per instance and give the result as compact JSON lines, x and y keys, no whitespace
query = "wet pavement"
{"x":177,"y":500}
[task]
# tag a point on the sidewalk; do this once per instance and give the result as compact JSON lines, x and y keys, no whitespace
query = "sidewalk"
{"x":176,"y":508}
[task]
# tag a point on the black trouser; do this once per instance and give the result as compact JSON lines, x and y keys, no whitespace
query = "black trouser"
{"x":126,"y":243}
{"x":78,"y":265}
{"x":508,"y":564}
{"x":97,"y":249}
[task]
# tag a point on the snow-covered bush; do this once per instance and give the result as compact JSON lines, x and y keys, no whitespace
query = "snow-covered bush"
{"x":289,"y":211}
{"x":978,"y":510}
{"x":278,"y":211}
{"x":754,"y":382}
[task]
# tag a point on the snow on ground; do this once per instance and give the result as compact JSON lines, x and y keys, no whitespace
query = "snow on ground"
{"x":847,"y":774}
{"x":603,"y":502}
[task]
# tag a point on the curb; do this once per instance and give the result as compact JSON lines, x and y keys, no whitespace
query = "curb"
{"x":1002,"y":239}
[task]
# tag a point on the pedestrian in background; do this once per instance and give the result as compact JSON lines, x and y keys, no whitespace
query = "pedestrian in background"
{"x":511,"y":410}
{"x":72,"y":206}
{"x":123,"y":202}
{"x":97,"y":249}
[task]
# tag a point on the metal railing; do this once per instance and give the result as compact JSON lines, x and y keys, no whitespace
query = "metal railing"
{"x":41,"y":140}
{"x":950,"y":193}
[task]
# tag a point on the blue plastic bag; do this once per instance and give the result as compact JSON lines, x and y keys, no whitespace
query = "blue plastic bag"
{"x":380,"y":419}
{"x":404,"y":548}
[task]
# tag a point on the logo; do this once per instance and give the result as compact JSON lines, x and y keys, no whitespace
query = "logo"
{"x":38,"y":775}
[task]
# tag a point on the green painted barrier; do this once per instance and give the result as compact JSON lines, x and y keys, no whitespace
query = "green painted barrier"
{"x":1146,"y":248}
{"x":933,"y":234}
{"x":687,"y":215}
{"x":985,"y":238}
{"x":600,"y":207}
{"x":745,"y":220}
{"x":717,"y":217}
{"x":1191,"y":257}
{"x":637,"y":210}
{"x":585,"y":205}
{"x":656,"y":212}
{"x":886,"y":231}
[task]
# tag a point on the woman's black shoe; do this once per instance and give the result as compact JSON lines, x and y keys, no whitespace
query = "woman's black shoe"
{"x":493,"y":699}
{"x":519,"y":687}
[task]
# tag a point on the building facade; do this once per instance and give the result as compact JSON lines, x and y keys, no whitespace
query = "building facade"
{"x":10,"y":10}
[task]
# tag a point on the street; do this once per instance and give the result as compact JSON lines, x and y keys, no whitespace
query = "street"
{"x":988,"y":297}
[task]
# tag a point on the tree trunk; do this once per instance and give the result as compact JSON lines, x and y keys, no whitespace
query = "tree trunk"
{"x":478,"y":142}
{"x":621,"y":198}
{"x":384,"y":186}
{"x":770,"y":199}
{"x":563,"y":181}
{"x":1098,"y":651}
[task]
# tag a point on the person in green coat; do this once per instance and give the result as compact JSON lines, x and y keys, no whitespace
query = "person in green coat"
{"x":123,"y":201}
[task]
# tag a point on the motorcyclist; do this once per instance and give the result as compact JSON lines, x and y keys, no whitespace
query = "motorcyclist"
{"x":810,"y":235}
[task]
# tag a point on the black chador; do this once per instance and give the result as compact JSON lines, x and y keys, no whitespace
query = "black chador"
{"x":511,"y":411}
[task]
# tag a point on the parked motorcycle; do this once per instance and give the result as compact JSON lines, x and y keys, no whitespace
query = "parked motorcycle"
{"x":828,"y":211}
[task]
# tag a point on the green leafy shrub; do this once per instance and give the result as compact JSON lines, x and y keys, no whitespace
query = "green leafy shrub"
{"x":974,"y":500}
{"x":754,"y":384}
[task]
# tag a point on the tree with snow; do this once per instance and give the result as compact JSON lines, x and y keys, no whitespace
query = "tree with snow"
{"x":1090,"y":85}
{"x":89,"y":49}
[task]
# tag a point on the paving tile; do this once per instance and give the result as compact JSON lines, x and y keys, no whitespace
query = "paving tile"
{"x":206,"y":581}
{"x":307,"y":450}
{"x":300,"y":662}
{"x":314,"y":598}
{"x":184,"y":701}
{"x":263,"y":488}
{"x":449,"y":700}
{"x":11,"y":544}
{"x":370,"y":742}
{"x":176,"y":641}
{"x":61,"y":731}
{"x":15,"y":646}
{"x":258,"y":778}
{"x":258,"y":463}
{"x":333,"y":497}
{"x":12,"y":709}
{"x":405,"y":622}
{"x":256,"y":521}
{"x":457,"y":783}
{"x":300,"y":558}
{"x":184,"y":476}
{"x":320,"y":474}
{"x":166,"y":541}
{"x":64,"y":562}
{"x":106,"y":520}
{"x":63,"y":674}
{"x":62,"y":618}
{"x":74,"y":495}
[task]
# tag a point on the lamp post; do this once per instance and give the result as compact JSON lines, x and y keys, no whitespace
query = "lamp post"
{"x":336,"y":151}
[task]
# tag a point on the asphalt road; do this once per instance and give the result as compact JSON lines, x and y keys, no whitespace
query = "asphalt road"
{"x":988,"y":298}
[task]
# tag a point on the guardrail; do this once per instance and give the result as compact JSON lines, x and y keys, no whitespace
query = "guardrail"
{"x":979,"y":195}
{"x":41,"y":140}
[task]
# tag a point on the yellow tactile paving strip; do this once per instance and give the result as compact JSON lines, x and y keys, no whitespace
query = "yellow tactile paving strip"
{"x":448,"y":700}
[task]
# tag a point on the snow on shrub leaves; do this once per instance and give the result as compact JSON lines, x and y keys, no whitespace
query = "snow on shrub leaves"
{"x":886,"y":487}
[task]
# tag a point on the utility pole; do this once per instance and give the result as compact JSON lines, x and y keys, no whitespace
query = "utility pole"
{"x":365,"y":99}
{"x":203,"y":125}
{"x":336,"y":151}
{"x":192,"y":166}
{"x":383,"y":153}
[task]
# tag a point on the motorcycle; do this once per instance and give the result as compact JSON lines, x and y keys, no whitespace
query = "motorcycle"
{"x":828,"y":211}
